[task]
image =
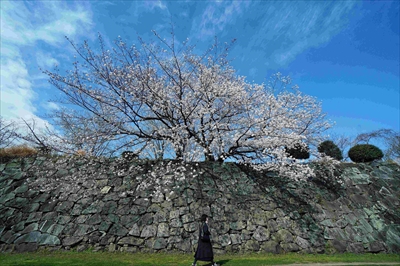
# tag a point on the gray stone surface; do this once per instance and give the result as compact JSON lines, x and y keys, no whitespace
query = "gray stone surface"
{"x":261,"y":234}
{"x":103,"y":209}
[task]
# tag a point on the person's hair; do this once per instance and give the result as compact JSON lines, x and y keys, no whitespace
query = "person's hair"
{"x":203,"y":217}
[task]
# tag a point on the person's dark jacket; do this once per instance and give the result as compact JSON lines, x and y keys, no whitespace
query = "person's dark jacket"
{"x":204,"y":250}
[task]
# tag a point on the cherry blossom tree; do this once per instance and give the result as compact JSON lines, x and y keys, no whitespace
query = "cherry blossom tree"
{"x":201,"y":107}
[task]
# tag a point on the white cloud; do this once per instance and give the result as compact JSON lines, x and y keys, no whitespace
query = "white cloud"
{"x":52,"y":106}
{"x":216,"y":17}
{"x":46,"y":60}
{"x":27,"y":25}
{"x":279,"y":30}
{"x":286,"y":29}
{"x":155,"y":4}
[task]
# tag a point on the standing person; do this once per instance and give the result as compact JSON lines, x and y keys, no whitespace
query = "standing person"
{"x":204,"y":250}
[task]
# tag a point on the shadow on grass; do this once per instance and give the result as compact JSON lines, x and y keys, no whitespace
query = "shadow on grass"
{"x":219,"y":262}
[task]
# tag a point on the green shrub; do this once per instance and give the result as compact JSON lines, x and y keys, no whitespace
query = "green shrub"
{"x":299,"y":151}
{"x":330,"y":149}
{"x":363,"y":153}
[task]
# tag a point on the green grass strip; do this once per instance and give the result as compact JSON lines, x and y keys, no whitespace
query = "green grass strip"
{"x":45,"y":258}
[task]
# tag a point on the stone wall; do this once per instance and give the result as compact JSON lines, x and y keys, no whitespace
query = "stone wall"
{"x":103,"y":204}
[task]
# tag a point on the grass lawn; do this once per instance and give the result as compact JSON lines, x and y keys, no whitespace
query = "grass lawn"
{"x":45,"y":258}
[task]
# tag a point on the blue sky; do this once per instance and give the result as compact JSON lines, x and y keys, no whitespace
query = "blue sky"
{"x":345,"y":53}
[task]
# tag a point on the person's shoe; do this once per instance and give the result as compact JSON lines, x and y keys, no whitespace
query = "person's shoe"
{"x":193,"y":264}
{"x":215,"y":264}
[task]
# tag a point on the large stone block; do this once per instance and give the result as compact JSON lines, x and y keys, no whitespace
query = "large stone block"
{"x":154,"y":208}
{"x":31,"y":237}
{"x":174,"y":214}
{"x":163,"y":230}
{"x":81,"y":219}
{"x":26,"y":247}
{"x":95,"y":207}
{"x":290,"y":247}
{"x":339,"y":246}
{"x":63,"y":219}
{"x":272,"y":226}
{"x":334,"y":233}
{"x":132,"y":241}
{"x":21,"y":189}
{"x":236,"y":238}
{"x":48,"y":206}
{"x":191,"y":227}
{"x":7,"y":197}
{"x":118,"y":230}
{"x":31,"y":227}
{"x":184,"y":246}
{"x":94,"y":219}
{"x":252,"y":245}
{"x":262,"y":217}
{"x":393,"y":238}
{"x":355,"y":248}
{"x":224,"y":240}
{"x":128,"y":220}
{"x":302,"y":243}
{"x":175,"y":223}
{"x":270,"y":247}
{"x":9,"y":237}
{"x":222,"y":227}
{"x":160,"y":243}
{"x":188,"y":218}
{"x":55,"y":229}
{"x":238,"y":225}
{"x":65,"y":206}
{"x":283,"y":235}
{"x":109,"y":207}
{"x":376,"y":247}
{"x":149,"y":231}
{"x":47,"y":239}
{"x":135,"y":230}
{"x":261,"y":234}
{"x":31,"y":207}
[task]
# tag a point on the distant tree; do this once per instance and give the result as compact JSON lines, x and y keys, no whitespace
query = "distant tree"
{"x":393,"y":151}
{"x":29,"y":134}
{"x":86,"y":132}
{"x":366,"y":137}
{"x":202,"y":108}
{"x":7,"y":132}
{"x":329,"y":148}
{"x":344,"y":143}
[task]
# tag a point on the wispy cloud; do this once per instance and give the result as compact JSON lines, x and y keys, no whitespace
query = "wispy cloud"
{"x":38,"y":26}
{"x":156,"y":4}
{"x":46,"y":60}
{"x":216,"y":16}
{"x":286,"y":29}
{"x":276,"y":32}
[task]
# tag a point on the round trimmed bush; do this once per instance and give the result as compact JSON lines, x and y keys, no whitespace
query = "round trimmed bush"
{"x":329,"y":148}
{"x":363,"y":153}
{"x":299,"y":151}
